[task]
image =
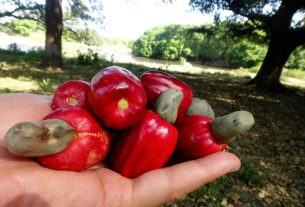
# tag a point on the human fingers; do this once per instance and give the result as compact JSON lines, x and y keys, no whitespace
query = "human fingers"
{"x":164,"y":185}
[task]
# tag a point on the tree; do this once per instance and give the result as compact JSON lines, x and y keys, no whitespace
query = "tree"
{"x":54,"y":27}
{"x":51,"y":16}
{"x":275,"y":17}
{"x":165,"y":42}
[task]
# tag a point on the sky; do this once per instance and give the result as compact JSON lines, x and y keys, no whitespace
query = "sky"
{"x":131,"y":18}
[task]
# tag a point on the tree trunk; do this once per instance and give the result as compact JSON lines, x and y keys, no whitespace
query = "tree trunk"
{"x":54,"y":28}
{"x":279,"y":50}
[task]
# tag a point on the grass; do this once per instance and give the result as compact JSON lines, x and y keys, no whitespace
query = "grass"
{"x":292,"y":73}
{"x":249,"y":173}
{"x":272,"y":153}
{"x":211,"y":195}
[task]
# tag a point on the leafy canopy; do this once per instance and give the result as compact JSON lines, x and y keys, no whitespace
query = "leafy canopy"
{"x":264,"y":14}
{"x":76,"y":12}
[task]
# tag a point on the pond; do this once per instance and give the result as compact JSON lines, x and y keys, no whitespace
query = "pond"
{"x":22,"y":43}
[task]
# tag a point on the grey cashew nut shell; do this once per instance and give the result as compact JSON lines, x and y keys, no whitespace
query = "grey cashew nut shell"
{"x":168,"y":103}
{"x":41,"y":138}
{"x":226,"y":128}
{"x":200,"y":107}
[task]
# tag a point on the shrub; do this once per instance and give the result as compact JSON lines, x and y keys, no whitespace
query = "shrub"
{"x":23,"y":27}
{"x":297,"y":59}
{"x":173,"y":42}
{"x":86,"y":36}
{"x":163,"y":43}
{"x":170,"y":53}
{"x":35,"y":54}
{"x":142,"y":47}
{"x":209,"y":43}
{"x":88,"y":58}
{"x":245,"y":54}
{"x":14,"y":48}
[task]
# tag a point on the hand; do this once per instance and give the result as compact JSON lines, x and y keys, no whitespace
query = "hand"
{"x":26,"y":183}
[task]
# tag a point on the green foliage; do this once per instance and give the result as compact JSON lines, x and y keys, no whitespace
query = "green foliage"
{"x":211,"y":44}
{"x":88,"y":58}
{"x":241,"y":7}
{"x":34,"y":55}
{"x":167,"y":43}
{"x":2,"y":64}
{"x":46,"y":85}
{"x":14,"y":48}
{"x":23,"y":27}
{"x":6,"y":90}
{"x":294,"y":73}
{"x":245,"y":54}
{"x":86,"y":36}
{"x":256,"y":26}
{"x":297,"y":59}
{"x":92,"y":37}
{"x":143,"y":46}
{"x":208,"y":43}
{"x":76,"y":12}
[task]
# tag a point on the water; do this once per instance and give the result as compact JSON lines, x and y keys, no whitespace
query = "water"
{"x":109,"y":52}
{"x":22,"y":43}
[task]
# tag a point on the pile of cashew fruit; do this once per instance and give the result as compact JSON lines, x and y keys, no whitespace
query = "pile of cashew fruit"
{"x":134,"y":124}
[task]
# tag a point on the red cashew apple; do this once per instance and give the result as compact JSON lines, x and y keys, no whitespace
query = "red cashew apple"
{"x":72,"y":93}
{"x":117,"y":97}
{"x":201,"y":135}
{"x":88,"y":147}
{"x":156,"y":82}
{"x":144,"y":147}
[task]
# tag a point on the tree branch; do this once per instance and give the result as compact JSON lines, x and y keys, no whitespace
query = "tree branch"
{"x":9,"y":13}
{"x":259,"y":17}
{"x":265,"y":19}
{"x":22,"y":8}
{"x":298,"y":35}
{"x":26,"y":17}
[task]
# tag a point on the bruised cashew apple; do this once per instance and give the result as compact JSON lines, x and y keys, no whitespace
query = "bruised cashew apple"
{"x":88,"y":147}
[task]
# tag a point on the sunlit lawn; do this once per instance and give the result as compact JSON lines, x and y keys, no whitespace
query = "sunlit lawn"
{"x":23,"y":75}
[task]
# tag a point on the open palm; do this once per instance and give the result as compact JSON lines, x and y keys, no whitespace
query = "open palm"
{"x":23,"y":182}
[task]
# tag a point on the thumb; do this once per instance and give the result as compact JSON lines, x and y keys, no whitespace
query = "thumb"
{"x":164,"y":185}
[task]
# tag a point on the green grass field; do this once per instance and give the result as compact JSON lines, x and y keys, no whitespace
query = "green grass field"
{"x":272,"y":152}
